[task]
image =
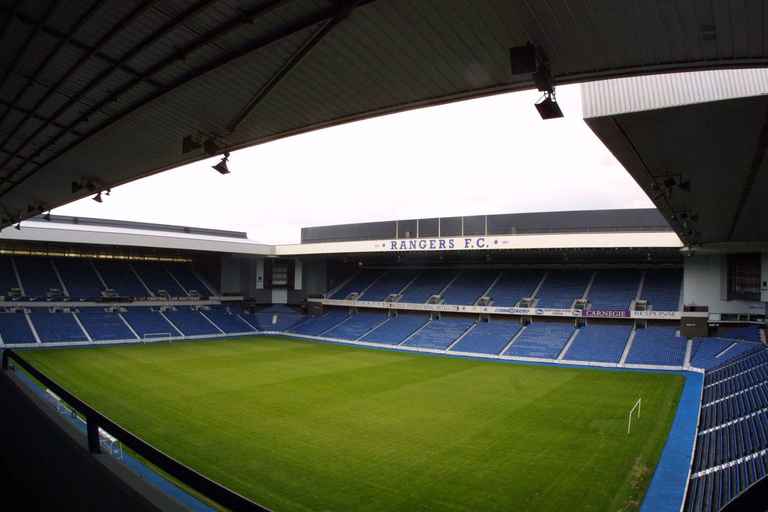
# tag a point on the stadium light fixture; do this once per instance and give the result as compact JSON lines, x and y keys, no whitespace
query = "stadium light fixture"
{"x":211,"y":147}
{"x":522,"y":59}
{"x":47,"y":216}
{"x":98,"y":198}
{"x":548,"y":107}
{"x":222,"y":166}
{"x":17,"y":226}
{"x":76,"y":187}
{"x":189,"y":144}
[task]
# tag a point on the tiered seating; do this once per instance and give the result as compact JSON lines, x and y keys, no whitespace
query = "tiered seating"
{"x":391,"y":282}
{"x":119,"y":276}
{"x":657,"y":346}
{"x":7,"y":275}
{"x":439,"y":334}
{"x":488,"y":337}
{"x":732,"y":445}
{"x":712,"y":352}
{"x":79,"y":277}
{"x":277,"y":322}
{"x":317,"y":325}
{"x":561,"y":287}
{"x":56,"y":327}
{"x":749,"y":333}
{"x":191,"y":322}
{"x":188,"y":279}
{"x":514,"y":285}
{"x":156,"y":278}
{"x":356,"y":326}
{"x":661,"y":288}
{"x":279,"y":309}
{"x":540,"y":340}
{"x":430,"y":282}
{"x":395,"y":330}
{"x":358,"y":283}
{"x":599,"y":343}
{"x":14,"y":329}
{"x":144,"y":320}
{"x":37,"y":276}
{"x":104,"y":326}
{"x":614,"y":289}
{"x":469,"y":286}
{"x":226,"y":321}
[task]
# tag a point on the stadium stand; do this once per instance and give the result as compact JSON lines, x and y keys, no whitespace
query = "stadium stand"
{"x":104,"y":326}
{"x":488,"y":338}
{"x":145,"y":321}
{"x":661,"y":289}
{"x":541,"y":340}
{"x":317,"y":325}
{"x":749,"y":333}
{"x":439,"y":334}
{"x":599,"y":343}
{"x":469,"y":286}
{"x":57,"y":327}
{"x":515,"y":285}
{"x":191,"y":322}
{"x":393,"y":281}
{"x":156,"y":278}
{"x":14,"y":329}
{"x":395,"y":330}
{"x":37,"y":275}
{"x":356,"y":326}
{"x":79,"y":277}
{"x":8,"y":280}
{"x":657,"y":346}
{"x":732,"y":443}
{"x":357,"y":284}
{"x":430,"y":282}
{"x":562,"y":287}
{"x":120,"y":277}
{"x":274,"y":322}
{"x":614,"y":289}
{"x":713,"y":352}
{"x":229,"y":322}
{"x":189,"y":280}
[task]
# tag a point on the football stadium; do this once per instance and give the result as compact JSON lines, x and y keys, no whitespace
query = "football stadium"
{"x":560,"y":360}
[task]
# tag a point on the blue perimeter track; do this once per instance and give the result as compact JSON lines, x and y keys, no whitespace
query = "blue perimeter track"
{"x":670,"y":480}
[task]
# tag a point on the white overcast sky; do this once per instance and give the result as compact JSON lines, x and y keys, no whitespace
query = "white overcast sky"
{"x":486,"y":156}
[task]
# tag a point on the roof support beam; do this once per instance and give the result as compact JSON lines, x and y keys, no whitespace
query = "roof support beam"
{"x":310,"y":44}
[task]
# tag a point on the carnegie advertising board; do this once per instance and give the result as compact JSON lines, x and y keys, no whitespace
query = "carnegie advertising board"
{"x":573,"y":313}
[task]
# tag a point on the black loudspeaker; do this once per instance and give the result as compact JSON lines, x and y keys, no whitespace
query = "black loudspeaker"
{"x":522,"y":59}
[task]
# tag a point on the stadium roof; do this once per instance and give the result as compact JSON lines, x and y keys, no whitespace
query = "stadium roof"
{"x":96,"y":93}
{"x":696,"y":145}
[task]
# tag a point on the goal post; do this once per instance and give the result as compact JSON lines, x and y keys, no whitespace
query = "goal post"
{"x":157,"y":336}
{"x":637,"y":406}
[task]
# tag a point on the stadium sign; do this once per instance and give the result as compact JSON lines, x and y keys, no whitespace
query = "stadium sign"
{"x":606,"y":313}
{"x":443,"y":244}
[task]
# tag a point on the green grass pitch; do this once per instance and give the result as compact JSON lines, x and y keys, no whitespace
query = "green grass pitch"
{"x":299,"y":425}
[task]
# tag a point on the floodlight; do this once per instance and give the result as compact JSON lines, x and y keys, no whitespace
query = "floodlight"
{"x":189,"y":144}
{"x":544,"y":80}
{"x":211,"y":147}
{"x":548,"y":107}
{"x":97,"y":197}
{"x":47,"y":216}
{"x":17,"y":226}
{"x":222,"y":166}
{"x":76,"y":187}
{"x":522,"y":59}
{"x":90,"y":186}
